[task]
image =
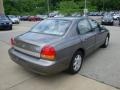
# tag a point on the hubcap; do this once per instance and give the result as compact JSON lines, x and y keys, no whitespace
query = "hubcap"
{"x":77,"y":62}
{"x":107,"y":41}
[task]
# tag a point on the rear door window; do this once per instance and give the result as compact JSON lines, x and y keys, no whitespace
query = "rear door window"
{"x":84,"y":26}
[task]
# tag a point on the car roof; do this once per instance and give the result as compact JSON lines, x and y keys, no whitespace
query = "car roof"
{"x":68,"y":18}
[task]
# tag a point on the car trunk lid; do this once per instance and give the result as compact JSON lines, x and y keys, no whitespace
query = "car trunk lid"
{"x":31,"y":43}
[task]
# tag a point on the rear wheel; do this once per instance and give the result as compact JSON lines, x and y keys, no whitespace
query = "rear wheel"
{"x":76,"y":63}
{"x":101,"y":23}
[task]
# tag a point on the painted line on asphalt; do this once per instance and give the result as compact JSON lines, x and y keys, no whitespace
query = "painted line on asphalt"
{"x":32,"y":77}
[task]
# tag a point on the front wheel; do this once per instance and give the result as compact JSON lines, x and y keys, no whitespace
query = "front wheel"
{"x":76,"y":63}
{"x":10,"y":27}
{"x":106,"y":42}
{"x":112,"y":23}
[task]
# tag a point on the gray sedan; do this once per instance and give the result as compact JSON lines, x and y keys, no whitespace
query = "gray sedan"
{"x":58,"y":44}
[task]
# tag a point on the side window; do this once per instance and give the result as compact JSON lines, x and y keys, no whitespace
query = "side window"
{"x":84,"y":26}
{"x":93,"y":23}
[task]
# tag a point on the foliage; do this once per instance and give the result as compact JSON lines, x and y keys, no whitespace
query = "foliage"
{"x":68,"y":7}
{"x":33,"y":7}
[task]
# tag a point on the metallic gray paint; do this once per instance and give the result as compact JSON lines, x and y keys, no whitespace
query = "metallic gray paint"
{"x":65,"y":46}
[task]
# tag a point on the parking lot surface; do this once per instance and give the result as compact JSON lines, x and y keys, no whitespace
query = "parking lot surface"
{"x":103,"y":65}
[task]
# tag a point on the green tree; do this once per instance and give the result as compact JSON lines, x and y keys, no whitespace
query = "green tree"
{"x":33,"y":7}
{"x":68,"y":7}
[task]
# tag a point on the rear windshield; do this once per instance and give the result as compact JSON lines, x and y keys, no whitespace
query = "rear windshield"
{"x":54,"y":27}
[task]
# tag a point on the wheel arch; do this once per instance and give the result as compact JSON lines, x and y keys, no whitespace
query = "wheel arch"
{"x":82,"y":50}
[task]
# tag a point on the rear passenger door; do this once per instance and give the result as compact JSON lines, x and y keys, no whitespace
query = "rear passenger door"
{"x":87,"y":35}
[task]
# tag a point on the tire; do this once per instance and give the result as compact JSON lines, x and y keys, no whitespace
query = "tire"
{"x":18,"y":22}
{"x":10,"y":28}
{"x":102,"y":23}
{"x":76,"y":63}
{"x":106,"y":43}
{"x":112,"y":23}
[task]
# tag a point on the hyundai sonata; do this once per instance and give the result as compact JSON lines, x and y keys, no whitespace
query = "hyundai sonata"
{"x":58,"y":44}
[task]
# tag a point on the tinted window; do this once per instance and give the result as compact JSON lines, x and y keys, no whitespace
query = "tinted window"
{"x":54,"y":27}
{"x":84,"y":26}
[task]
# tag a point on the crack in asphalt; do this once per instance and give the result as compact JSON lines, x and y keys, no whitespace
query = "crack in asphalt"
{"x":21,"y":82}
{"x":99,"y":81}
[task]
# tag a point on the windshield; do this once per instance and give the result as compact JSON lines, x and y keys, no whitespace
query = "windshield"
{"x":107,"y":17}
{"x":54,"y":27}
{"x":11,"y":16}
{"x":3,"y":18}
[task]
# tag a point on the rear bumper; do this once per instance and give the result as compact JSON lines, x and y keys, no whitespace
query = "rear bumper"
{"x":5,"y":27}
{"x":36,"y":65}
{"x":107,"y":23}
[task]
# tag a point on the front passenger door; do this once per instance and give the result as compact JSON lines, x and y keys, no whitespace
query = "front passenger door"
{"x":100,"y":35}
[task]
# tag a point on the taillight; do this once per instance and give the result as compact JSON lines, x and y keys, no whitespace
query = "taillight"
{"x":48,"y":52}
{"x":12,"y":42}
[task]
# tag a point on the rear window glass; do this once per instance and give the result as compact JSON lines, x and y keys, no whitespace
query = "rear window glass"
{"x":54,"y":27}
